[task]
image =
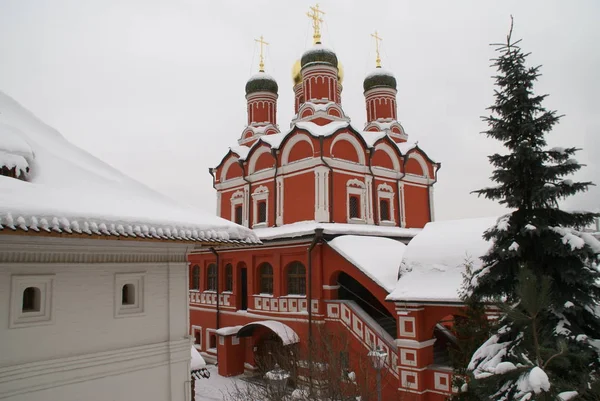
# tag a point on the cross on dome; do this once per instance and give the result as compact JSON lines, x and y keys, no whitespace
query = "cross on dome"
{"x":261,"y":64}
{"x":377,"y":40}
{"x":316,"y":22}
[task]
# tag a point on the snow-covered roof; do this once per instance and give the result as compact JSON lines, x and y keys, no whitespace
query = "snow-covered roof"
{"x":197,"y":360}
{"x":260,"y":75}
{"x":379,"y":71}
{"x":434,"y":260}
{"x":228,"y":331}
{"x":303,"y":228}
{"x":69,"y":190}
{"x":286,"y":333}
{"x":378,"y":257}
{"x":275,"y":140}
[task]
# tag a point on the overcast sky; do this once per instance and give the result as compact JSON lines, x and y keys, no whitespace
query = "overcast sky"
{"x":156,"y":87}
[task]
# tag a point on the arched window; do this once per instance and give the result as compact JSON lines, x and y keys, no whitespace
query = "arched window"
{"x":265,"y":272}
{"x":211,"y":279}
{"x":31,"y":299}
{"x":128,"y":294}
{"x":196,"y":278}
{"x":296,"y":278}
{"x":228,"y":277}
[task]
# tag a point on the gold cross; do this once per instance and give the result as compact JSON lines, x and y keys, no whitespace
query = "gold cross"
{"x":261,"y":65}
{"x":377,"y":39}
{"x":316,"y":21}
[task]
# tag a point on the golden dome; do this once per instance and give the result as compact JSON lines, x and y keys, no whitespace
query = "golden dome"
{"x":297,"y":72}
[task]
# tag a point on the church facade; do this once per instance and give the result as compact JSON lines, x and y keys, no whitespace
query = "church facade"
{"x":334,"y":206}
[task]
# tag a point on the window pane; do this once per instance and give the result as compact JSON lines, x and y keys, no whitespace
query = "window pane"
{"x":238,"y":215}
{"x":266,"y":278}
{"x":212,"y":277}
{"x":262,"y":212}
{"x":296,"y":278}
{"x":384,"y":209}
{"x":229,"y":277}
{"x":354,"y":207}
{"x":196,"y":278}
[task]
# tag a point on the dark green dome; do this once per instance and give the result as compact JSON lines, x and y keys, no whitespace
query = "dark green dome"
{"x":379,"y":78}
{"x":261,"y":82}
{"x":319,"y":54}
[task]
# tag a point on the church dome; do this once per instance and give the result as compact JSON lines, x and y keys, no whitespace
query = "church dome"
{"x":319,"y":54}
{"x":261,"y":82}
{"x":379,"y":78}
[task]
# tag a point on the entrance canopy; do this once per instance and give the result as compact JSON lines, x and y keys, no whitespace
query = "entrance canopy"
{"x":283,"y":331}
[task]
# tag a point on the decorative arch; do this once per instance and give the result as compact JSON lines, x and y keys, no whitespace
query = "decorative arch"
{"x":384,"y":147}
{"x":256,"y":156}
{"x":227,"y":166}
{"x":353,"y":141}
{"x":422,"y":163}
{"x":285,"y":156}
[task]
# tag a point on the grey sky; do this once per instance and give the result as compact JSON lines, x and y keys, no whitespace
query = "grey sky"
{"x":156,"y":87}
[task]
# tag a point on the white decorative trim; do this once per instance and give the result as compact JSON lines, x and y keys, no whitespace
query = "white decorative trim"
{"x":354,"y":142}
{"x":385,"y":191}
{"x":405,"y":383}
{"x":225,"y":169}
{"x":136,"y":308}
{"x":235,"y":340}
{"x":196,"y":329}
{"x":219,"y":203}
{"x":355,"y":183}
{"x":279,"y":206}
{"x":285,"y":155}
{"x":402,"y":207}
{"x":421,"y":160}
{"x":44,"y":315}
{"x":390,"y":152}
{"x":260,"y":194}
{"x":403,"y":330}
{"x":237,"y":198}
{"x":438,"y":385}
{"x":414,"y":344}
{"x":404,"y":357}
{"x":431,"y":208}
{"x":356,"y":187}
{"x":255,"y":156}
{"x":209,"y":333}
{"x":321,"y":194}
{"x":331,"y":287}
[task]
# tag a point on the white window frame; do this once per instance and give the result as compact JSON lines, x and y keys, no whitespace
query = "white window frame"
{"x":210,"y":332}
{"x":260,"y":194}
{"x":385,"y":191}
{"x":357,"y":188}
{"x":196,"y":329}
{"x":237,"y":198}
{"x":137,"y":307}
{"x":18,"y":284}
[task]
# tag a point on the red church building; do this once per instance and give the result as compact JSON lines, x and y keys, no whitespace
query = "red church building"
{"x":334,"y":206}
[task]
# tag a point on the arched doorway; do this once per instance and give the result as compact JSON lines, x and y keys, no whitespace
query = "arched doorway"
{"x":352,"y":290}
{"x":273,"y":343}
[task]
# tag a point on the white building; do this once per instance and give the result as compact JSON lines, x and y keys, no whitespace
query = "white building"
{"x":93,"y":273}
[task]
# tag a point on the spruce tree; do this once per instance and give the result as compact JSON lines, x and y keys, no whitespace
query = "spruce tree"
{"x":541,"y":269}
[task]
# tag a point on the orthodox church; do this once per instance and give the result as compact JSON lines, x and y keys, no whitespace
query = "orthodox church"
{"x":334,"y":206}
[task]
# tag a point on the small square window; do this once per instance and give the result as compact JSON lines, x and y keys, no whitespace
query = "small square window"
{"x":129,"y":294}
{"x":31,"y":300}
